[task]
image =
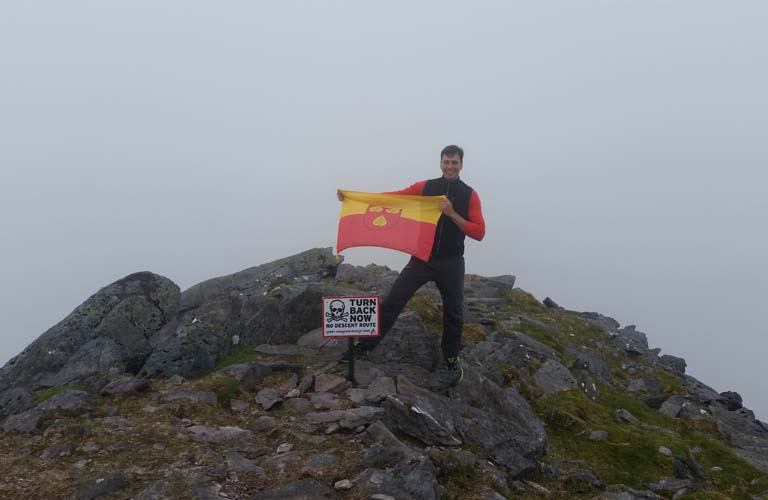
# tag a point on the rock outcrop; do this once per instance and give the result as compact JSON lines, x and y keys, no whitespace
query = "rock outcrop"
{"x":272,"y":303}
{"x":109,"y":332}
{"x":229,"y":390}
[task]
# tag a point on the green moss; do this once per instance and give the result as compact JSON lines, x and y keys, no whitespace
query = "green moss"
{"x":624,"y":458}
{"x":460,"y":480}
{"x":668,"y":382}
{"x":499,"y":488}
{"x":512,"y":378}
{"x":630,"y":454}
{"x":431,"y":315}
{"x":226,"y":388}
{"x":179,"y":489}
{"x":279,"y":281}
{"x":454,"y":467}
{"x":533,"y":365}
{"x":50,"y":392}
{"x":519,"y":302}
{"x":736,"y":472}
{"x":552,"y":338}
{"x":717,"y":495}
{"x":509,"y":372}
{"x":472,"y":334}
{"x":357,"y":286}
{"x":239,"y":354}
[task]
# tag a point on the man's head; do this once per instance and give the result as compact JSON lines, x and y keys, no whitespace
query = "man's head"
{"x":451,"y":161}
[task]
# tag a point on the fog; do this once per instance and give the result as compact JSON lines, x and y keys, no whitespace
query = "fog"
{"x":619,"y":150}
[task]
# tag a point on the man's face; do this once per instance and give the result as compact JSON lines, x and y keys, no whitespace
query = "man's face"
{"x":451,"y":166}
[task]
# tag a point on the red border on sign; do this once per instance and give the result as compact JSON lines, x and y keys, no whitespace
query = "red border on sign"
{"x":378,"y":315}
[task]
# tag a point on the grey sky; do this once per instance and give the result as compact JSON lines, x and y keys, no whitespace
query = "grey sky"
{"x":619,"y":149}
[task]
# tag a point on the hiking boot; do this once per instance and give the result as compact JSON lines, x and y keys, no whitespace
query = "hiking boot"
{"x":454,"y":367}
{"x":446,"y":377}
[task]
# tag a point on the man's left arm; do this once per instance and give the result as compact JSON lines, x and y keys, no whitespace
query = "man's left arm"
{"x":474,"y":225}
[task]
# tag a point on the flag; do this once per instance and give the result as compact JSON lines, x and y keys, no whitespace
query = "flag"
{"x":401,"y":222}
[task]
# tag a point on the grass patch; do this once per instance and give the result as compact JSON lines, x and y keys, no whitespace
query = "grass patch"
{"x":226,"y":389}
{"x":351,"y":285}
{"x":472,"y":334}
{"x":519,"y":302}
{"x":557,"y":329}
{"x":239,"y":354}
{"x":547,"y":336}
{"x":669,"y":383}
{"x":52,"y":391}
{"x":431,"y":315}
{"x":627,"y":457}
{"x":630,"y":454}
{"x":462,"y":480}
{"x":279,"y":281}
{"x":512,"y":378}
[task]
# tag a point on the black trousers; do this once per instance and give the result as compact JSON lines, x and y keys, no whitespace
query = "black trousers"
{"x":448,"y":275}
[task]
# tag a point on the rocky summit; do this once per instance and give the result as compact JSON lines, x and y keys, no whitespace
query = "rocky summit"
{"x":228,"y":390}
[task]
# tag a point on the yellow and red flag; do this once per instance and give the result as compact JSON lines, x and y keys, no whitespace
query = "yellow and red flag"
{"x":401,"y":222}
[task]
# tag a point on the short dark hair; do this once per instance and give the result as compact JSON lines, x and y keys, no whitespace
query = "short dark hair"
{"x":452,"y":150}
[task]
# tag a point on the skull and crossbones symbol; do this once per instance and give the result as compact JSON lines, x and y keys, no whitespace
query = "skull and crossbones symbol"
{"x":338,"y":312}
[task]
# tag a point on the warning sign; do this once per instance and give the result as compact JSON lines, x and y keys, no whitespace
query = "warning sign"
{"x":351,"y":316}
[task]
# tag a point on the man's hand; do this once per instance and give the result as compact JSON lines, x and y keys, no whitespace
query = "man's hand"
{"x":447,"y":208}
{"x":339,"y":195}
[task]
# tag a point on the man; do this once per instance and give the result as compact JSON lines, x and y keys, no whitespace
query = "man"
{"x":462,"y":216}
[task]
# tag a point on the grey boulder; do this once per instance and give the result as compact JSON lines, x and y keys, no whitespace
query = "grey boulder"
{"x":304,"y":489}
{"x":553,"y":377}
{"x":101,"y":487}
{"x":412,"y":479}
{"x":111,"y":329}
{"x":274,"y":303}
{"x":497,"y":421}
{"x":125,"y":385}
{"x":587,"y":359}
{"x":605,"y":322}
{"x":631,"y":341}
{"x":674,"y":363}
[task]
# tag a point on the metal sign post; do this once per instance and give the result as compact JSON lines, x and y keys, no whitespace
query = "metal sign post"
{"x":351,"y":367}
{"x":351,"y":317}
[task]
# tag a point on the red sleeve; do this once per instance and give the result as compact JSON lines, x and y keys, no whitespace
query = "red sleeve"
{"x":475,"y":225}
{"x":414,"y":189}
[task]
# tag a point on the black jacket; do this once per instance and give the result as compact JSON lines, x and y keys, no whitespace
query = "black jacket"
{"x":449,"y":239}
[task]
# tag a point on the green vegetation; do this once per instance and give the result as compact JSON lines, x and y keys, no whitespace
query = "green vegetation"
{"x":239,"y":354}
{"x":431,"y":315}
{"x":630,"y":454}
{"x":52,"y":391}
{"x":473,"y":333}
{"x":512,"y":378}
{"x":669,"y":382}
{"x":461,"y":480}
{"x":226,"y":388}
{"x":521,"y":302}
{"x":552,"y":338}
{"x":279,"y":281}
